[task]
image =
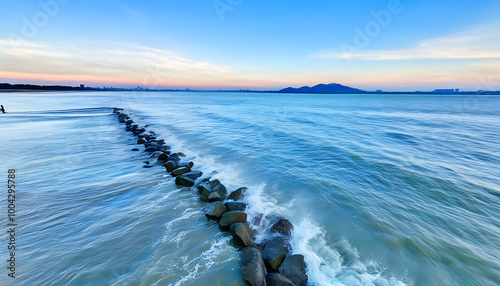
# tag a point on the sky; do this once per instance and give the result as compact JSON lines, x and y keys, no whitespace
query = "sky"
{"x":393,"y":45}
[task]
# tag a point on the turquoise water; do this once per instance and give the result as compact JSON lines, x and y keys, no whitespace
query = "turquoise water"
{"x":382,"y":189}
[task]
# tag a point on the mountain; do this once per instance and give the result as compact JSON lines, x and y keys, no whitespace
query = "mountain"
{"x":322,"y":88}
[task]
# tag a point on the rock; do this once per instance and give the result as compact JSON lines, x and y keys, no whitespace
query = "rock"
{"x":240,"y":235}
{"x":180,"y":171}
{"x":184,"y":181}
{"x":253,"y":267}
{"x":205,"y":191}
{"x":174,"y":157}
{"x":276,"y":279}
{"x":150,"y":150}
{"x":129,"y":122}
{"x":213,"y":197}
{"x":152,"y":145}
{"x":275,"y":253}
{"x":257,"y":219}
{"x":163,"y":156}
{"x":180,"y":154}
{"x":237,"y":195}
{"x":294,"y":268}
{"x":236,"y":206}
{"x":232,"y":217}
{"x":282,"y":226}
{"x":193,"y":175}
{"x":214,"y":183}
{"x":221,"y":190}
{"x":214,"y":210}
{"x":164,"y":148}
{"x":135,"y":149}
{"x":170,"y":165}
{"x":141,"y":141}
{"x":147,"y":166}
{"x":155,"y":154}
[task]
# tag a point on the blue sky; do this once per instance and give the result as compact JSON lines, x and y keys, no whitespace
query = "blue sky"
{"x":369,"y":44}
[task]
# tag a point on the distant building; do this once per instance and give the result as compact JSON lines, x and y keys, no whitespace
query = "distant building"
{"x":379,"y":90}
{"x":451,"y":90}
{"x":82,"y":85}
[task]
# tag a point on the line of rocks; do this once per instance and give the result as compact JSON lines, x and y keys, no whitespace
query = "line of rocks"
{"x":269,"y":263}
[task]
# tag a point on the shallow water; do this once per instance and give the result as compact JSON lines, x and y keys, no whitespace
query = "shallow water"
{"x":382,"y":189}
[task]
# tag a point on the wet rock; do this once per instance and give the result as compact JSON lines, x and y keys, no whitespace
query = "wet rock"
{"x":253,"y":267}
{"x":294,"y":268}
{"x":274,"y":253}
{"x":170,"y":165}
{"x":135,"y":149}
{"x":240,"y":235}
{"x":163,"y":157}
{"x":221,"y":190}
{"x":150,"y":150}
{"x":180,"y":154}
{"x":214,"y":183}
{"x":193,"y":175}
{"x":236,"y":206}
{"x":147,"y":166}
{"x":214,"y":210}
{"x":213,"y":197}
{"x":184,"y":181}
{"x":205,"y":190}
{"x":180,"y":171}
{"x":155,"y":154}
{"x":232,"y":217}
{"x":237,"y":195}
{"x":282,"y":226}
{"x":257,"y":219}
{"x":164,"y":148}
{"x":276,"y":279}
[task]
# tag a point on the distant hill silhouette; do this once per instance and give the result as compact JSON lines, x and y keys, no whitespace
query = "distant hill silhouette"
{"x":322,"y":88}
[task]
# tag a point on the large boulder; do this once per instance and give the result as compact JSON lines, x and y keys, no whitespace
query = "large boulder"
{"x":193,"y":175}
{"x":214,"y":183}
{"x":184,"y":181}
{"x":205,"y":190}
{"x":236,"y":206}
{"x":214,"y":197}
{"x":163,"y":156}
{"x":214,"y":210}
{"x":253,"y":267}
{"x":294,"y":268}
{"x":275,"y":253}
{"x":282,"y":226}
{"x":232,"y":217}
{"x":155,"y":154}
{"x":276,"y":279}
{"x":180,"y":171}
{"x":240,"y":234}
{"x":171,"y":165}
{"x":237,"y":195}
{"x":221,"y":190}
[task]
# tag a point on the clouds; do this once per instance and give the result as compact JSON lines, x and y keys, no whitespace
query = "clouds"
{"x":481,"y":42}
{"x":110,"y":62}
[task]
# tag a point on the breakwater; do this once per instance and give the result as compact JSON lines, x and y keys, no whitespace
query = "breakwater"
{"x":268,"y":263}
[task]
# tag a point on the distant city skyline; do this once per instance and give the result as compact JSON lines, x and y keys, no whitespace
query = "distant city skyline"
{"x":239,"y":44}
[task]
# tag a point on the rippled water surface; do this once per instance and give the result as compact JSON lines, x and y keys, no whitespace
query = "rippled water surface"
{"x":382,"y":189}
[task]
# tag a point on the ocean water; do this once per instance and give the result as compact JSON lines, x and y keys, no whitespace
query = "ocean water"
{"x":382,"y":189}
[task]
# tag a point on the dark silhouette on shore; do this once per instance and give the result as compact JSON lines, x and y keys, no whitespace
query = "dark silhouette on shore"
{"x":3,"y":109}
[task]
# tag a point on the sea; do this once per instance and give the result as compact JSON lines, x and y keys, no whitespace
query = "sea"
{"x":382,"y":189}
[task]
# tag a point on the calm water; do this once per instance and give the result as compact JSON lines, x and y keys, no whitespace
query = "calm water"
{"x":382,"y":190}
